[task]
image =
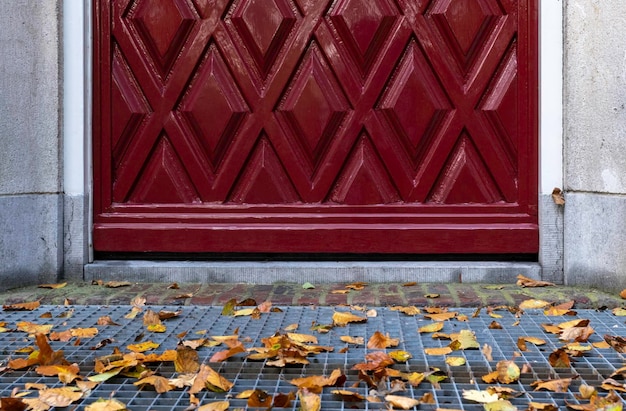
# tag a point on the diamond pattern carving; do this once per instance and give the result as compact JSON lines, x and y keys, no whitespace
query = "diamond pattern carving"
{"x":131,"y":104}
{"x":414,"y":105}
{"x":465,"y":177}
{"x":263,"y":26}
{"x":363,"y":26}
{"x":163,"y":27}
{"x":213,"y":107}
{"x":314,"y":106}
{"x":465,"y":25}
{"x":164,"y":179}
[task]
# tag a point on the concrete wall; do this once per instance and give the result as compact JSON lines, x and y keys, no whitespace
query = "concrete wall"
{"x":30,"y":182}
{"x":595,"y":143}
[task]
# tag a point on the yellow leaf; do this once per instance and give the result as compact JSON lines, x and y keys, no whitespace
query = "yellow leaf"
{"x":84,"y":332}
{"x":464,"y":341}
{"x":53,"y":286}
{"x":157,"y":328}
{"x":601,"y":344}
{"x":214,"y":406}
{"x":400,"y":356}
{"x":508,"y":371}
{"x":352,"y":340}
{"x":106,"y":405}
{"x":431,"y":328}
{"x":455,"y":361}
{"x":619,"y":311}
{"x":533,"y":304}
{"x":534,"y":340}
{"x":60,"y":397}
{"x":405,"y":403}
{"x":482,"y":397}
{"x":309,"y":401}
{"x":438,"y":351}
{"x":244,"y":312}
{"x":302,"y":338}
{"x":30,"y":306}
{"x":500,"y":405}
{"x":343,"y":318}
{"x":143,"y":347}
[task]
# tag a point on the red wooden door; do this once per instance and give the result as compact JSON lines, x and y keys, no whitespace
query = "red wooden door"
{"x":348,"y":126}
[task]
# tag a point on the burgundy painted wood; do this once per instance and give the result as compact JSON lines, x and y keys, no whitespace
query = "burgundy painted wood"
{"x":365,"y":126}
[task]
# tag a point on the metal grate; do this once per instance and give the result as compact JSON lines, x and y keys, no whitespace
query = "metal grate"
{"x":593,"y":367}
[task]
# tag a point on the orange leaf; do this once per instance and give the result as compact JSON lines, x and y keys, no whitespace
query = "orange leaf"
{"x":259,"y":399}
{"x":441,"y":316}
{"x":106,"y":320}
{"x":226,"y":354}
{"x":117,"y":284}
{"x":143,"y":347}
{"x":317,"y":382}
{"x":438,"y":351}
{"x":529,"y":282}
{"x":30,"y":306}
{"x":380,"y":341}
{"x":375,"y":361}
{"x":84,"y":332}
{"x":410,"y":310}
{"x":559,"y":359}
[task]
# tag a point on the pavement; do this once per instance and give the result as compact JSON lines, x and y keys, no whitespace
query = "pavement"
{"x":197,"y":312}
{"x":291,"y":294}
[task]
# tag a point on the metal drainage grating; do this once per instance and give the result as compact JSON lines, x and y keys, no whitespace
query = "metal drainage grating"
{"x":593,"y":367}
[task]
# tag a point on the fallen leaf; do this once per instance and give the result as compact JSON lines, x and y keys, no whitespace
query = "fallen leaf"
{"x":229,"y":308}
{"x":343,"y":318}
{"x":529,"y":282}
{"x":500,"y":405}
{"x":410,"y":284}
{"x":487,"y":351}
{"x":106,"y":405}
{"x":143,"y":347}
{"x":60,"y":397}
{"x":557,"y":385}
{"x":464,"y":340}
{"x":618,"y":343}
{"x":106,"y":320}
{"x":12,"y":404}
{"x":315,"y":383}
{"x":166,"y":315}
{"x":52,"y":286}
{"x":619,"y":311}
{"x":455,"y":361}
{"x":117,"y":284}
{"x":533,"y":304}
{"x":404,"y":403}
{"x":431,"y":328}
{"x":578,"y":334}
{"x":441,"y":316}
{"x":214,"y":406}
{"x":432,"y":295}
{"x":559,"y":359}
{"x":186,"y":360}
{"x":308,"y":286}
{"x":623,"y":293}
{"x":481,"y":397}
{"x":348,"y":395}
{"x":352,"y":340}
{"x":226,"y":354}
{"x":359,"y":285}
{"x":379,"y":340}
{"x":408,"y":310}
{"x":494,"y":325}
{"x":30,"y":306}
{"x":374,"y":361}
{"x":400,"y":356}
{"x":259,"y":399}
{"x":309,"y":401}
{"x":84,"y":332}
{"x":438,"y":351}
{"x":557,"y":196}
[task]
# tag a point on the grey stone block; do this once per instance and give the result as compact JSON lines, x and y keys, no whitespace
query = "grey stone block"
{"x":30,"y":97}
{"x":30,"y":243}
{"x":551,"y":239}
{"x":76,"y":236}
{"x":595,"y":241}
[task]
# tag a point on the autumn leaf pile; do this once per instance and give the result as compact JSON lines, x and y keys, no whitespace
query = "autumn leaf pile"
{"x":384,"y":377}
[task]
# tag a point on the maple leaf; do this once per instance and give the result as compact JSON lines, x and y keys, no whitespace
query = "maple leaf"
{"x":379,"y":341}
{"x":529,"y":282}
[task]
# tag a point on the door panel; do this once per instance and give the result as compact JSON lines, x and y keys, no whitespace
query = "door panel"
{"x":382,"y":126}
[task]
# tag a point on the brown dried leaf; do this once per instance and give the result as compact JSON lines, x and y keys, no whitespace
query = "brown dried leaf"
{"x":315,"y":383}
{"x":558,"y":385}
{"x":508,"y":372}
{"x":559,"y":359}
{"x":214,"y":406}
{"x":186,"y":360}
{"x":29,"y":306}
{"x":352,"y":340}
{"x":12,"y":404}
{"x":529,"y":282}
{"x":557,"y":196}
{"x":578,"y":334}
{"x":431,"y":328}
{"x":60,"y":397}
{"x":166,"y":315}
{"x":106,"y":320}
{"x":405,"y":403}
{"x":309,"y":401}
{"x":444,"y":316}
{"x":348,"y":395}
{"x":117,"y":284}
{"x":160,"y":384}
{"x":618,"y":343}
